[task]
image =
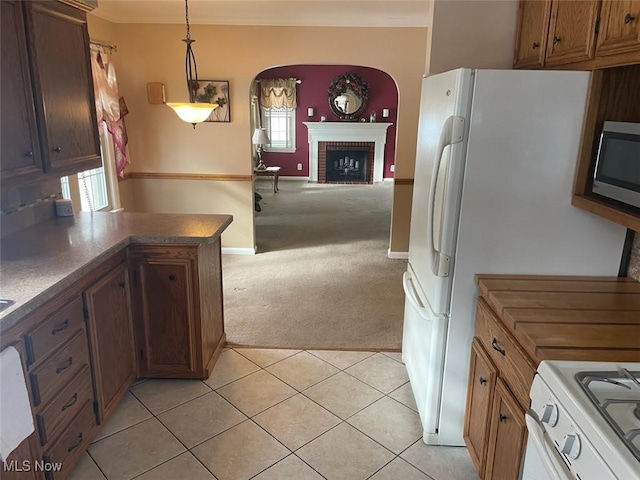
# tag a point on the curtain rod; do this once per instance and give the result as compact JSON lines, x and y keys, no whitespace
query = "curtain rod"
{"x":109,"y":46}
{"x":298,"y":81}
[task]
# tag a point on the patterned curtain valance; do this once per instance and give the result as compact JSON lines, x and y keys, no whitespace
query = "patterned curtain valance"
{"x":278,"y":93}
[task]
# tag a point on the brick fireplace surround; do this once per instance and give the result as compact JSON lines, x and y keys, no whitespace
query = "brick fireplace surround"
{"x":352,"y":135}
{"x":323,"y":147}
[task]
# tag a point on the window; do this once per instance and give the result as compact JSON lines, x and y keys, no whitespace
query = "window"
{"x":90,"y":187}
{"x":95,"y":189}
{"x":278,"y":104}
{"x":281,"y":128}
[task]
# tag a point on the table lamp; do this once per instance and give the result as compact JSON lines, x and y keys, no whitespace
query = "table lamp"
{"x":259,"y":139}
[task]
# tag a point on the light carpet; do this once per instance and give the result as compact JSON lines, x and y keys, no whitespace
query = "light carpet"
{"x":321,"y":279}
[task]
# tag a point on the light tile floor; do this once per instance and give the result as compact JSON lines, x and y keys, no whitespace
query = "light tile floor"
{"x":274,"y":415}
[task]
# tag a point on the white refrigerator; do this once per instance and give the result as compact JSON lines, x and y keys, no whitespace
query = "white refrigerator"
{"x":495,"y":161}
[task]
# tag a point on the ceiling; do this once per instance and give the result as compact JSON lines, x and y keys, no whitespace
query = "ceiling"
{"x":337,"y":13}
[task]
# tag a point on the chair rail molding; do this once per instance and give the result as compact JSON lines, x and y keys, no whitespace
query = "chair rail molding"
{"x":347,"y":132}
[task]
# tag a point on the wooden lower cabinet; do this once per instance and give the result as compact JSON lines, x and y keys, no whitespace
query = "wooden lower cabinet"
{"x":19,"y":465}
{"x":500,"y":377}
{"x":507,"y":436}
{"x":482,"y":381}
{"x":177,"y":304}
{"x":149,"y":311}
{"x":111,"y":338}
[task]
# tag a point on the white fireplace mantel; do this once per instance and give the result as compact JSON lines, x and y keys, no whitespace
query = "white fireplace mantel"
{"x":347,"y":132}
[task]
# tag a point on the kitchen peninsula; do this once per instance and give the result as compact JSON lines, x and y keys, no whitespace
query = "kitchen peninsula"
{"x":100,"y":300}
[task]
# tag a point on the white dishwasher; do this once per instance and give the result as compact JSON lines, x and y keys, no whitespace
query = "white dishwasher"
{"x":584,"y":422}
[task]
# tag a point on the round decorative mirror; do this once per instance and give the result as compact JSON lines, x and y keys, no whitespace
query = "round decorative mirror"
{"x":348,"y":95}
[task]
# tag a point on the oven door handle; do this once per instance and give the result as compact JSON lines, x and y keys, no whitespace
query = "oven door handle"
{"x":555,"y":468}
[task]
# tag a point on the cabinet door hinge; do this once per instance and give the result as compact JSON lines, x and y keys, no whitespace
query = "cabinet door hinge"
{"x":597,"y":28}
{"x":95,"y":408}
{"x":135,"y":275}
{"x":85,"y":313}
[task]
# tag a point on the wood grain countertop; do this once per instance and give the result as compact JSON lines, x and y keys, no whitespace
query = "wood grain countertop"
{"x":568,"y":318}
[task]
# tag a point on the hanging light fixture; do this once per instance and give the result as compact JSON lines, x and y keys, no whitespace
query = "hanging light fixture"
{"x":192,"y":112}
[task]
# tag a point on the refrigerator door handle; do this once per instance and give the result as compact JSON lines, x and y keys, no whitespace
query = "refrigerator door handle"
{"x":410,"y":291}
{"x":452,"y":132}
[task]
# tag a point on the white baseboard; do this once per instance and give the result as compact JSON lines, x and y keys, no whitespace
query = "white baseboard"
{"x":398,"y":255}
{"x":238,"y":251}
{"x":290,"y":177}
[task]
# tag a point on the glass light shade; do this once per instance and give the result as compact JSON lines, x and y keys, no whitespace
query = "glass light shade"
{"x":193,"y":112}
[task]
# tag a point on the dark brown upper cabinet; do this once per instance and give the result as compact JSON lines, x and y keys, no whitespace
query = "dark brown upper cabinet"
{"x":20,"y":147}
{"x":50,"y":121}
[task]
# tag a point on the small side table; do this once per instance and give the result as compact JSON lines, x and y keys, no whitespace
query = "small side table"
{"x":273,"y":173}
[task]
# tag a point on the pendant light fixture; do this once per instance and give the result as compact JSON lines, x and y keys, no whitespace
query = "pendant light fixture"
{"x":192,"y":112}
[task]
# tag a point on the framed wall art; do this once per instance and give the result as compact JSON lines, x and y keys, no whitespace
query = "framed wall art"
{"x":215,"y":91}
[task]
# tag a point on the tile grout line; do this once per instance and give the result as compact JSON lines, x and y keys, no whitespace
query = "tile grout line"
{"x":251,"y":417}
{"x":301,"y":392}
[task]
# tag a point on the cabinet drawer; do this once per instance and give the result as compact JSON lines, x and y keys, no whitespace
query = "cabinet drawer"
{"x":59,"y":369}
{"x":55,"y":331}
{"x":72,"y":441}
{"x":57,"y":414}
{"x":512,"y":363}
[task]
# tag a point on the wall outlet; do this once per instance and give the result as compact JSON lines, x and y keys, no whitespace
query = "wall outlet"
{"x":392,"y":168}
{"x":299,"y":166}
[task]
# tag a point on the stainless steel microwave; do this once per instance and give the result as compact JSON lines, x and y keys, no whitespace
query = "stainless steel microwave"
{"x":617,"y":172}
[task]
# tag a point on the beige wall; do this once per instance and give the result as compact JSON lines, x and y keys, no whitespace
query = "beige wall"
{"x":161,"y":143}
{"x":474,"y":34}
{"x":478,"y":34}
{"x":471,"y":33}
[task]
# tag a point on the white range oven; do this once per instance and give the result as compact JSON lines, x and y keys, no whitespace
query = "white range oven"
{"x":584,"y":422}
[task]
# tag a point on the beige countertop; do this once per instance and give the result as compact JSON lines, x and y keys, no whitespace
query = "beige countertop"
{"x":39,"y":262}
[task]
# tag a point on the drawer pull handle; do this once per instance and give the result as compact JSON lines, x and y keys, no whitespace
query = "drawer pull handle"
{"x":483,"y":380}
{"x":495,"y":346}
{"x":57,"y":149}
{"x":556,"y":40}
{"x":66,"y":365}
{"x":73,"y":400}
{"x":61,"y":327}
{"x":502,"y":418}
{"x":122,"y":285}
{"x":76,"y":445}
{"x":628,"y":18}
{"x":535,"y":45}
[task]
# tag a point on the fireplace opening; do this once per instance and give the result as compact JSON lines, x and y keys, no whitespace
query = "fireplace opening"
{"x":346,"y":166}
{"x":345,"y":162}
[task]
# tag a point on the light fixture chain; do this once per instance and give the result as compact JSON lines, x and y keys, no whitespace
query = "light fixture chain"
{"x":186,"y":17}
